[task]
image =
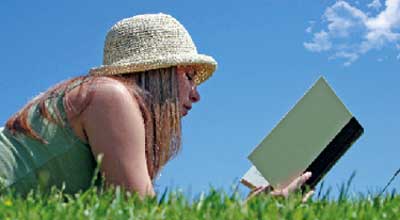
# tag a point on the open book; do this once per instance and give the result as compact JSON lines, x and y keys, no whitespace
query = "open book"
{"x":312,"y":136}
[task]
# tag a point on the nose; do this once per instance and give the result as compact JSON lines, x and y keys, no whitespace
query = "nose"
{"x":194,"y":95}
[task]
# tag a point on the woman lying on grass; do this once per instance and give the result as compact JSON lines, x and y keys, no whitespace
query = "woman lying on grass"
{"x":128,"y":110}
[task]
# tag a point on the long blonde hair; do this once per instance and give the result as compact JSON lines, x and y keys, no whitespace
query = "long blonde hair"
{"x":157,"y":93}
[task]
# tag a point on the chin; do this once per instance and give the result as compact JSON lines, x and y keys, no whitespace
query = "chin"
{"x":184,"y":113}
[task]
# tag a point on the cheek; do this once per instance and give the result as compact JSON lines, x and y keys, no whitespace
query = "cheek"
{"x":183,"y":93}
{"x":184,"y":88}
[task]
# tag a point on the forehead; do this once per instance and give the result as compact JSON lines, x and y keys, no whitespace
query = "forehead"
{"x":185,"y":68}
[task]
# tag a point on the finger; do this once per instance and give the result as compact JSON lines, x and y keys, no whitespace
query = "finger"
{"x":295,"y":184}
{"x":260,"y":189}
{"x":307,"y":196}
{"x":304,"y":178}
{"x":299,"y":181}
{"x":256,"y":191}
{"x":278,"y":193}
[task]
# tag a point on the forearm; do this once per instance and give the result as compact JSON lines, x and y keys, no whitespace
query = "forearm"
{"x":143,"y":190}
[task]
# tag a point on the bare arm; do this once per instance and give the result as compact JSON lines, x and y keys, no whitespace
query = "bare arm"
{"x":114,"y":125}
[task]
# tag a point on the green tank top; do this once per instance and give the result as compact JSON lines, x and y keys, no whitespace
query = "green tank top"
{"x":65,"y":161}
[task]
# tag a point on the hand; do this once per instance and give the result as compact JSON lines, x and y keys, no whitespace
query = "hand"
{"x":285,"y":192}
{"x":293,"y":186}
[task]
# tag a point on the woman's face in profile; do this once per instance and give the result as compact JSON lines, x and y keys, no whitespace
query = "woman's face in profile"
{"x":187,"y":88}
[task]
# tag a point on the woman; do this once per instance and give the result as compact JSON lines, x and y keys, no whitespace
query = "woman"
{"x":127,"y":110}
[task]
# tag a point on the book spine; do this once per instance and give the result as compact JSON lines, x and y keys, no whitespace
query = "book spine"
{"x":335,"y":149}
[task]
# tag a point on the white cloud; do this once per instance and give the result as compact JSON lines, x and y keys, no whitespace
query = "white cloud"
{"x":320,"y":42}
{"x":350,"y":32}
{"x":349,"y":56}
{"x":388,"y":18}
{"x":398,"y":48}
{"x":375,"y":4}
{"x":381,"y":27}
{"x":310,"y":28}
{"x":342,"y":18}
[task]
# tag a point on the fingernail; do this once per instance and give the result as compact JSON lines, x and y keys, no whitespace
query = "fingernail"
{"x":307,"y":174}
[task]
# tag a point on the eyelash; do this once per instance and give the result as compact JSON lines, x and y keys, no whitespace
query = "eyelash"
{"x":189,"y":77}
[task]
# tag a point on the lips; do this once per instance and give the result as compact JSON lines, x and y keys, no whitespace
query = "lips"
{"x":186,"y":109}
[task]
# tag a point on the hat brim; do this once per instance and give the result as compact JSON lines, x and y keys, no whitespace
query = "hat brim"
{"x":203,"y":64}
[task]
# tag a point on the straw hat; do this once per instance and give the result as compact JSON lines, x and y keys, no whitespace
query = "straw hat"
{"x":151,"y":41}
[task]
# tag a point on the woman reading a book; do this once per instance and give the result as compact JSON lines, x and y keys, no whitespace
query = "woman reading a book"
{"x":128,"y":111}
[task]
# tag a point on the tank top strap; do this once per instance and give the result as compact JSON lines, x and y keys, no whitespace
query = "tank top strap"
{"x":75,"y":84}
{"x":59,"y":104}
{"x":72,"y":85}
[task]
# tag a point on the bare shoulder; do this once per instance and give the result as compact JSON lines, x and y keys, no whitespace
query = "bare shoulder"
{"x":111,"y":96}
{"x":106,"y":86}
{"x":108,"y":98}
{"x":113,"y":118}
{"x":101,"y":87}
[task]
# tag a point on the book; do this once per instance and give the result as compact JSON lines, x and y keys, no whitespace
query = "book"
{"x":253,"y":178}
{"x":312,"y":136}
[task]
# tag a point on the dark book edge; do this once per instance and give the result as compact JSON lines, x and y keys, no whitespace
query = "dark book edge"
{"x":247,"y":184}
{"x":332,"y":153}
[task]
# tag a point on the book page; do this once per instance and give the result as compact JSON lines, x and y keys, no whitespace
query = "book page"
{"x":253,"y":178}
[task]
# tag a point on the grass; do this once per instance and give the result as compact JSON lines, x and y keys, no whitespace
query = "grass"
{"x":216,"y":204}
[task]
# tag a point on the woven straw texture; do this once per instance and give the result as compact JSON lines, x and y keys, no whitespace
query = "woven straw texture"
{"x":151,"y":41}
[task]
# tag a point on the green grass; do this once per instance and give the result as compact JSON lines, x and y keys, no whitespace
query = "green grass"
{"x":117,"y":204}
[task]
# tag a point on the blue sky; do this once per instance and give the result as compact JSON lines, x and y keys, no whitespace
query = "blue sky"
{"x":269,"y":54}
